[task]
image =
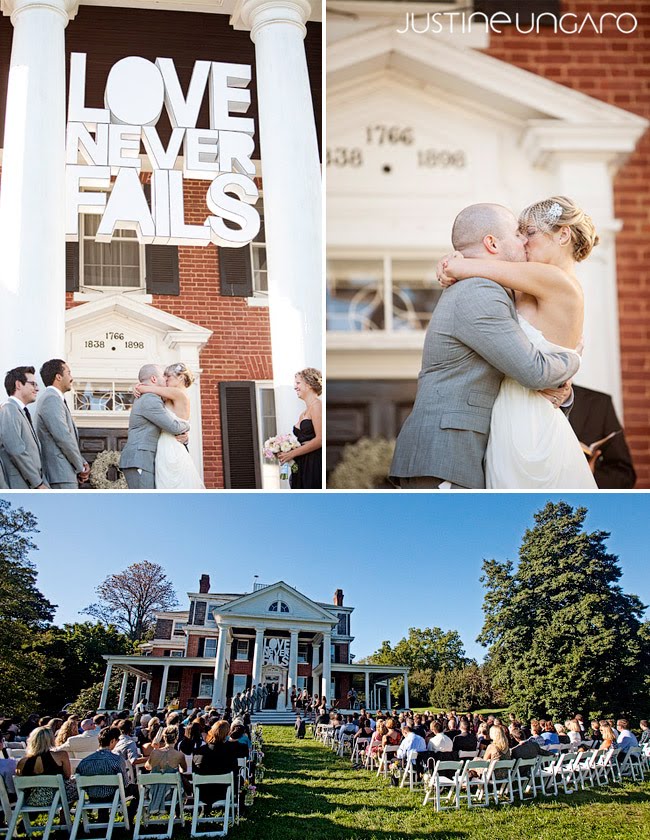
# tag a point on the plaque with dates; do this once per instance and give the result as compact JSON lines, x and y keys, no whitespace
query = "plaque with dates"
{"x":117,"y":342}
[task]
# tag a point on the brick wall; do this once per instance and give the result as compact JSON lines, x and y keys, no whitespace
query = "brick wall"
{"x":304,"y":669}
{"x":241,"y":667}
{"x":240,"y":347}
{"x":616,"y":69}
{"x":193,"y":646}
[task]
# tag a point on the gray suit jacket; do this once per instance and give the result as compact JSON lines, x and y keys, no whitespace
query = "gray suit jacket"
{"x":473,"y":340}
{"x":62,"y":459}
{"x":20,"y":450}
{"x":148,"y":418}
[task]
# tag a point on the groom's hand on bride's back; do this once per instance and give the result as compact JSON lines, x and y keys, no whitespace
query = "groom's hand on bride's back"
{"x":557,"y":396}
{"x":183,"y":438}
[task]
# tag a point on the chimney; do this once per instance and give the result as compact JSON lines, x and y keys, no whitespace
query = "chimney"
{"x":204,"y":584}
{"x":338,"y":598}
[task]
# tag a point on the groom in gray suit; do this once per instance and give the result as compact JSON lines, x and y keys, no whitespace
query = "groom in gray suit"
{"x":149,"y":418}
{"x":62,"y":460}
{"x":20,"y":450}
{"x":472,"y":342}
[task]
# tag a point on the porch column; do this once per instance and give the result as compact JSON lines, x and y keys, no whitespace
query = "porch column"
{"x":367,"y":697}
{"x":136,"y":692}
{"x":147,"y":694}
{"x":122,"y":700}
{"x":292,"y":681}
{"x":32,"y":194}
{"x":406,"y":690}
{"x":163,"y":686}
{"x":107,"y":678}
{"x":219,"y":684}
{"x":327,"y":667}
{"x":292,"y":189}
{"x":258,"y":656}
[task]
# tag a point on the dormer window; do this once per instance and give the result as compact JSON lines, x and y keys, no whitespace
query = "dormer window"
{"x":279,"y":606}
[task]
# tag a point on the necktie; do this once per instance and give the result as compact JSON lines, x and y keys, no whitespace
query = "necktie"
{"x":29,"y":417}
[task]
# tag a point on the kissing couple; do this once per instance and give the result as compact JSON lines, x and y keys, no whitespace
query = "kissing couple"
{"x":156,"y":456}
{"x":500,"y":351}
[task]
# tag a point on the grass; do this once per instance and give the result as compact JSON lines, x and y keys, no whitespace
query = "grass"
{"x":308,"y":793}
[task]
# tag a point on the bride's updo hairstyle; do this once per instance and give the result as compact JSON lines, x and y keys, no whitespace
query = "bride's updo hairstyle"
{"x":182,"y":371}
{"x":313,"y":378}
{"x":559,"y":211}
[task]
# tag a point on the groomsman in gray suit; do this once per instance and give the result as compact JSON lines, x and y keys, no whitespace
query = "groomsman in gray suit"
{"x":20,"y":450}
{"x":472,"y":341}
{"x":4,"y":484}
{"x":149,"y":418}
{"x":62,"y":460}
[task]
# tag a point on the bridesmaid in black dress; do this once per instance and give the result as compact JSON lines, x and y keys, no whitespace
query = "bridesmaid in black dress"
{"x":309,"y":455}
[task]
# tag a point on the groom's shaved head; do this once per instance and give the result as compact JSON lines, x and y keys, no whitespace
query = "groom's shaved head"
{"x":476,"y":222}
{"x":147,"y":371}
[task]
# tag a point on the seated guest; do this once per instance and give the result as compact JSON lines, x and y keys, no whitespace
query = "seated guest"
{"x":7,"y":769}
{"x":419,"y":726}
{"x":376,"y":742}
{"x":85,"y":743}
{"x":126,"y":746}
{"x":608,"y":736}
{"x":626,"y":739}
{"x":466,"y":740}
{"x":594,"y":733}
{"x":392,"y":736}
{"x":216,"y":757}
{"x":452,"y":729}
{"x":549,"y":734}
{"x":575,"y":735}
{"x":645,"y":733}
{"x":561,"y":733}
{"x":166,"y":758}
{"x":525,"y":748}
{"x":498,"y":747}
{"x":482,"y":736}
{"x":239,"y":736}
{"x":69,"y":729}
{"x":106,"y":762}
{"x":440,"y":742}
{"x":410,"y":741}
{"x":41,"y":760}
{"x":192,"y":739}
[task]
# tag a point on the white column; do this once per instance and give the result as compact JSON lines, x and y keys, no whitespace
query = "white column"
{"x":292,"y":682}
{"x":327,"y":667}
{"x":147,"y":695}
{"x":292,"y":190}
{"x":163,"y":686}
{"x":406,"y":690}
{"x":258,"y":656}
{"x":136,"y":692}
{"x":218,"y":688}
{"x":32,"y":193}
{"x":367,"y":697}
{"x":107,"y":678}
{"x":122,"y":700}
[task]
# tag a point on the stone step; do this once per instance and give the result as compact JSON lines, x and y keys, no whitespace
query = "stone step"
{"x":273,"y":717}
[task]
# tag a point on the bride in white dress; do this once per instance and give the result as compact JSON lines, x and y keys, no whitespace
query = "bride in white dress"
{"x":531,"y":443}
{"x":175,"y":468}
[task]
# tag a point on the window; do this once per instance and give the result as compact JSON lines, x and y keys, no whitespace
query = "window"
{"x":258,"y":256}
{"x":206,"y":683}
{"x":332,"y":651}
{"x":238,"y":684}
{"x":115,"y":264}
{"x":303,"y":651}
{"x":178,"y":653}
{"x":301,"y":682}
{"x":279,"y":606}
{"x":266,"y":412}
{"x":343,"y":628}
{"x":211,"y":611}
{"x":173,"y":687}
{"x":241,"y":651}
{"x":179,"y":629}
{"x":385,"y":294}
{"x":114,"y":397}
{"x":210,"y":649}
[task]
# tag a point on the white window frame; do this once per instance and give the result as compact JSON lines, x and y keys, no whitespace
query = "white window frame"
{"x":83,"y":287}
{"x":100,"y":382}
{"x":259,"y":294}
{"x":175,"y":654}
{"x":239,"y":642}
{"x":305,"y":658}
{"x":270,"y":472}
{"x":207,"y":655}
{"x":205,"y":679}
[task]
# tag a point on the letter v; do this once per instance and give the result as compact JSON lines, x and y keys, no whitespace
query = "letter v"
{"x":183,"y":113}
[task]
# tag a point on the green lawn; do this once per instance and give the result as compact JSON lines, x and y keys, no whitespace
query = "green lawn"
{"x":310,"y":794}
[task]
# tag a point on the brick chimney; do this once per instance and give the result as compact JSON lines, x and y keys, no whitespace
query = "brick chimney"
{"x":204,"y":584}
{"x":338,"y":598}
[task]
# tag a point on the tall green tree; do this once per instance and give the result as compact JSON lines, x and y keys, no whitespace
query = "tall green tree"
{"x":562,"y":635}
{"x":24,"y":612}
{"x":74,"y":661}
{"x":424,"y":652}
{"x":467,"y":689}
{"x":130,"y":599}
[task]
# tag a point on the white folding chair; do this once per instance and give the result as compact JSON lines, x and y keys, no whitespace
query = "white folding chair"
{"x":203,"y":815}
{"x":440,"y":781}
{"x":476,"y":787}
{"x":584,"y":766}
{"x":89,"y":802}
{"x":502,"y":784}
{"x":545,"y":775}
{"x":243,"y":775}
{"x":161,"y":796}
{"x":23,"y":811}
{"x":524,"y":777}
{"x":614,"y":764}
{"x":410,"y":770}
{"x":358,"y":750}
{"x":632,"y":764}
{"x":388,"y":754}
{"x":16,"y":752}
{"x":565,"y":772}
{"x":464,"y":755}
{"x":5,"y":804}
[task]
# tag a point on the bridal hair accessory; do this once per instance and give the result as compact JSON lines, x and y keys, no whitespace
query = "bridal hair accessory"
{"x":554,"y":213}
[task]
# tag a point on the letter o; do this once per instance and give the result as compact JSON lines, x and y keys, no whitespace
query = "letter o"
{"x":626,"y":31}
{"x":135,"y":92}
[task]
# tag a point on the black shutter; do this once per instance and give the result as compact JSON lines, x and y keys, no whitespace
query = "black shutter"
{"x":161,"y":264}
{"x":241,"y":454}
{"x":201,"y":649}
{"x":72,"y":266}
{"x":235,"y":272}
{"x":524,"y":8}
{"x":190,"y":618}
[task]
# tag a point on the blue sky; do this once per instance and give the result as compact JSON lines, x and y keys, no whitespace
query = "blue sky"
{"x":402,"y":560}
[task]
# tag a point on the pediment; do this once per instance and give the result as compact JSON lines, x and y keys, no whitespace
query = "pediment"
{"x":256,"y":604}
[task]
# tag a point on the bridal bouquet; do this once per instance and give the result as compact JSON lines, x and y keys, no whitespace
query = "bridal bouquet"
{"x":281,"y":443}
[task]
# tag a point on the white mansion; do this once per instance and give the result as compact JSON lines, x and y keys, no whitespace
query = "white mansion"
{"x":227,"y":642}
